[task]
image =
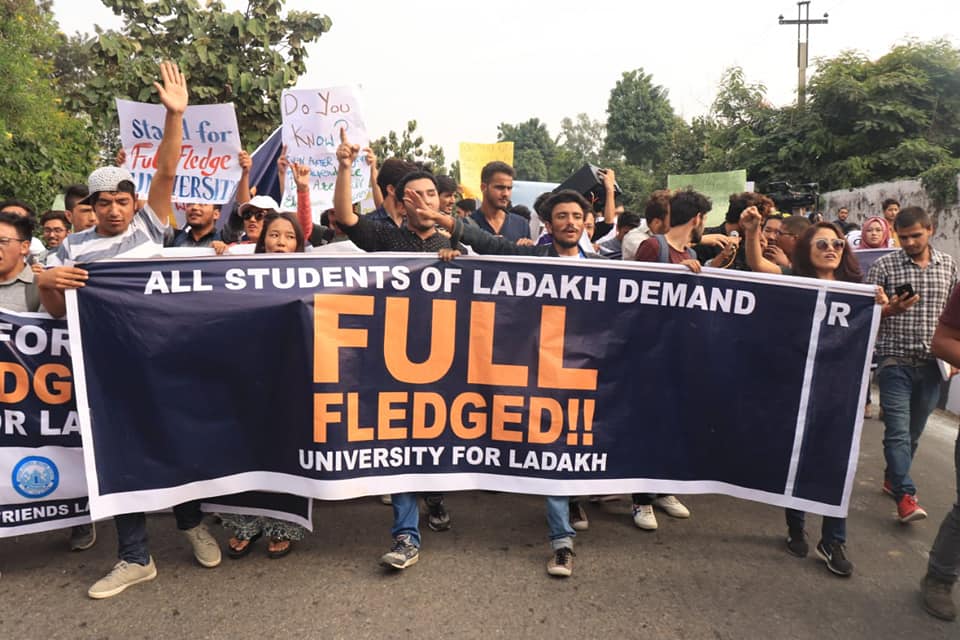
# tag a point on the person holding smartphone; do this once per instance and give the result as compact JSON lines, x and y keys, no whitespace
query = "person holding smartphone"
{"x":918,"y":280}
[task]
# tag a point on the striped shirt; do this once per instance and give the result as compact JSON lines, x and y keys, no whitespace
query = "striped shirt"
{"x":142,"y":239}
{"x":910,"y":334}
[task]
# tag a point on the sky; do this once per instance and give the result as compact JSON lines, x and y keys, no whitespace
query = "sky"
{"x":459,"y":69}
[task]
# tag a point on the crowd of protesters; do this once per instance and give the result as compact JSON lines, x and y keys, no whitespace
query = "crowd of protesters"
{"x":418,"y":211}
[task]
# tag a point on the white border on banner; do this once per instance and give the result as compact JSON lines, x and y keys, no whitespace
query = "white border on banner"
{"x":350,"y":488}
{"x":819,"y":313}
{"x":212,"y":506}
{"x":103,"y":506}
{"x":858,"y":426}
{"x":80,"y":397}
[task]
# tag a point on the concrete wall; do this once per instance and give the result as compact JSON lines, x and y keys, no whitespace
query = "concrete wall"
{"x":865,"y":202}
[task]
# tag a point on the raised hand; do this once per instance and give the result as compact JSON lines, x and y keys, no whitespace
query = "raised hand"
{"x":245,"y":161}
{"x":346,"y":152}
{"x":609,"y":180}
{"x":370,"y":157}
{"x":415,"y":200}
{"x":173,"y":91}
{"x":750,"y":219}
{"x":301,"y":176}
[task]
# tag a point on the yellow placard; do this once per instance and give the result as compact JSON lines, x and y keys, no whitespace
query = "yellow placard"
{"x":474,"y":155}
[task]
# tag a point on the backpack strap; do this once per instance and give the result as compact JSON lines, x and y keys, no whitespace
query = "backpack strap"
{"x":664,"y":255}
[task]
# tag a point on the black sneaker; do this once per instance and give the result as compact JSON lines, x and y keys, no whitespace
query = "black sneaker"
{"x":835,"y":555}
{"x":437,"y":517}
{"x":402,"y":554}
{"x":561,"y":564}
{"x":797,"y":543}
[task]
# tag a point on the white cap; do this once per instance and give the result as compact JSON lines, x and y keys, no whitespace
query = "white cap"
{"x":266,"y":203}
{"x":106,"y":179}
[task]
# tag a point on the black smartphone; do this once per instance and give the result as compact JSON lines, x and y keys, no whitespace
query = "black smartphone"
{"x":904,"y":291}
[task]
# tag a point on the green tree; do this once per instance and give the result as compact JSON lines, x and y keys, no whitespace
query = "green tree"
{"x":42,"y":148}
{"x":889,"y":118}
{"x":245,"y":57}
{"x":533,"y":148}
{"x":409,"y":146}
{"x":640,"y":120}
{"x":581,"y":141}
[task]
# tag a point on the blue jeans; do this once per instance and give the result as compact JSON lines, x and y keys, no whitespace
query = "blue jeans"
{"x":132,"y":530}
{"x":944,"y":561}
{"x":908,"y":395}
{"x":558,"y":521}
{"x":406,"y":517}
{"x":832,"y":529}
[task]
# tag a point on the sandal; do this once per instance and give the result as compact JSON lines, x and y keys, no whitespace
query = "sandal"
{"x":237,"y":548}
{"x":279,"y":547}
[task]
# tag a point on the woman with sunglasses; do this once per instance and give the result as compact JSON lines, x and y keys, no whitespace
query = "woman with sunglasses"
{"x":253,"y":213}
{"x":822,"y":253}
{"x":279,"y":233}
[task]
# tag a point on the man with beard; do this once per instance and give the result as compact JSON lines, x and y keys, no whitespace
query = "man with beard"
{"x":688,"y":210}
{"x":564,"y":213}
{"x":417,"y":233}
{"x":496,"y":186}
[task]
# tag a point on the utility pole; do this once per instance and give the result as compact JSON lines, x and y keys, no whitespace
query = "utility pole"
{"x":802,"y":45}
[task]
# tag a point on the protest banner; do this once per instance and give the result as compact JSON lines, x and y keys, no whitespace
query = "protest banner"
{"x":338,"y":377}
{"x":208,"y":170}
{"x":473,"y":156}
{"x":866,"y":257}
{"x":39,"y":430}
{"x":312,"y":120}
{"x":40,"y":444}
{"x":716,"y":186}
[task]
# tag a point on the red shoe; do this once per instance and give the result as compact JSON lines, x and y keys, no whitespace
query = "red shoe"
{"x":908,"y":510}
{"x":888,"y":489}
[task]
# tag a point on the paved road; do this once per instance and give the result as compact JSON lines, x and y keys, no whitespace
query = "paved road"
{"x":722,"y":574}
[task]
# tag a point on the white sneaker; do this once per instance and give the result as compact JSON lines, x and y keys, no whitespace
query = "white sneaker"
{"x":672,"y":506}
{"x":206,"y":549}
{"x":644,"y":517}
{"x":124,"y":574}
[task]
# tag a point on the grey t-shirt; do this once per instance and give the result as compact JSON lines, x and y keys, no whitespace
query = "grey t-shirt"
{"x":20,"y":293}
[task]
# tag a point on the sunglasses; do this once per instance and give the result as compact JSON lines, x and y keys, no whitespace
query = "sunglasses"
{"x":256,"y":214}
{"x":823,"y":244}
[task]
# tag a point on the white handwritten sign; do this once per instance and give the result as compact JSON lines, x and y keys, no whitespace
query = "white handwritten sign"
{"x":312,"y":119}
{"x":208,"y":170}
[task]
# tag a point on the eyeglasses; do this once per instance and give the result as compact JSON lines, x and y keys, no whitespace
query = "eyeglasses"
{"x":256,"y":214}
{"x":822,"y":244}
{"x":4,"y":241}
{"x":54,"y":230}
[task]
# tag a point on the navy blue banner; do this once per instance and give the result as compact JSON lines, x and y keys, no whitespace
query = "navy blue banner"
{"x":334,"y":377}
{"x":40,"y":458}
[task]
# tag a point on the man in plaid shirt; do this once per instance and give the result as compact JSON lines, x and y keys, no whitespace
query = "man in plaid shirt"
{"x":908,"y":375}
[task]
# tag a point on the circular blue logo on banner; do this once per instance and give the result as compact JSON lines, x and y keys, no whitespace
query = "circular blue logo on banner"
{"x":35,"y":477}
